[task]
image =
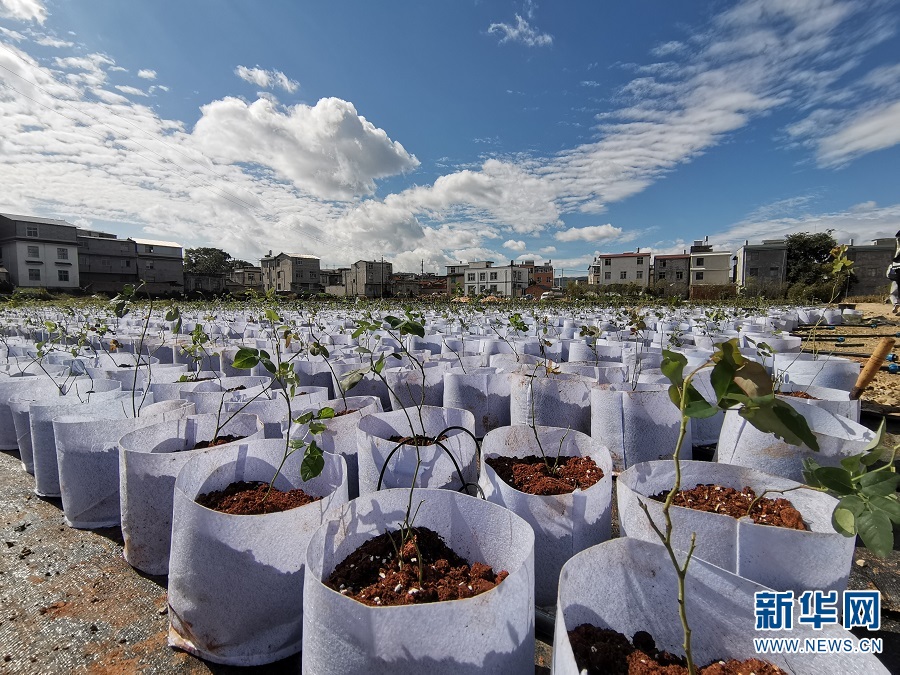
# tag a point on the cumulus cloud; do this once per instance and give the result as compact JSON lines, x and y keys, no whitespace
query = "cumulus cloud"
{"x":147,"y":74}
{"x":23,"y":10}
{"x":522,"y":32}
{"x":514,"y":245}
{"x":327,"y":150}
{"x":48,"y":41}
{"x":267,"y":79}
{"x":548,"y":249}
{"x":591,"y":233}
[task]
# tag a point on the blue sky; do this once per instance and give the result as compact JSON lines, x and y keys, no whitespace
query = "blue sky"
{"x":444,"y":131}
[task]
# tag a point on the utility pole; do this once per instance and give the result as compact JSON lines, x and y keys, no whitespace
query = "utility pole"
{"x":382,"y":276}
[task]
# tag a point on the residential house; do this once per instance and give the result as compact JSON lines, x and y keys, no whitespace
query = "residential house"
{"x":482,"y":278}
{"x":620,"y":268}
{"x":243,"y":279}
{"x":762,"y":264}
{"x":160,"y":265}
{"x":369,"y":279}
{"x":870,"y":263}
{"x":708,"y":267}
{"x":208,"y":284}
{"x":291,"y":273}
{"x":672,"y":273}
{"x":456,"y":278}
{"x":105,"y":262}
{"x":39,"y":252}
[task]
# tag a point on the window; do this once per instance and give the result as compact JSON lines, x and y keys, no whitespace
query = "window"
{"x":773,"y":271}
{"x":124,"y":248}
{"x":34,"y":252}
{"x":149,"y":264}
{"x":150,"y":278}
{"x":63,"y":275}
{"x":607,"y":275}
{"x":104,"y":262}
{"x":471,"y":277}
{"x":481,"y":289}
{"x":679,"y":275}
{"x":126,"y":263}
{"x":698,"y":276}
{"x":148,"y":248}
{"x":31,"y":231}
{"x":482,"y":276}
{"x":493,"y":276}
{"x":640,"y":261}
{"x":699,"y":263}
{"x":753,"y":272}
{"x":493,"y":288}
{"x":640,"y":274}
{"x":662,"y":275}
{"x":62,"y":254}
{"x":662,"y":263}
{"x":471,"y":290}
{"x":623,"y":274}
{"x":83,"y":261}
{"x":607,"y":262}
{"x":754,"y":255}
{"x":34,"y":275}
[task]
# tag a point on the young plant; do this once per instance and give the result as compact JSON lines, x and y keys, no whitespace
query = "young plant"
{"x":736,"y":381}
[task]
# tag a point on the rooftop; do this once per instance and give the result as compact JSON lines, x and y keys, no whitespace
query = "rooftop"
{"x":35,"y":219}
{"x":155,"y":242}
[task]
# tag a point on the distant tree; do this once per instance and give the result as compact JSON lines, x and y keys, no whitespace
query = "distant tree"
{"x":207,"y":260}
{"x":808,"y":257}
{"x":237,"y":263}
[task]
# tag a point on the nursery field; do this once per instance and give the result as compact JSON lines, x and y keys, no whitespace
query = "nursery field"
{"x":120,"y":421}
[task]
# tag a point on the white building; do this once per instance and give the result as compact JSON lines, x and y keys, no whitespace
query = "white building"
{"x":620,"y":268}
{"x":482,"y":277}
{"x":39,"y":252}
{"x":708,"y":267}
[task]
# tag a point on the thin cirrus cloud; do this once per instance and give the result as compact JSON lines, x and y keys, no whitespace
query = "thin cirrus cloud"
{"x":267,"y":79}
{"x":521,"y":32}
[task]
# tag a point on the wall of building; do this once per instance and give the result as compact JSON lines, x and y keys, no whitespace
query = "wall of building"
{"x":620,"y":269}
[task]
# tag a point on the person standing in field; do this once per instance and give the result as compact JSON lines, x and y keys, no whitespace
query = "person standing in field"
{"x":893,"y":273}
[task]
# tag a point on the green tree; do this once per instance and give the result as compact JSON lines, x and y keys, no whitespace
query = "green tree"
{"x":207,"y":260}
{"x":809,"y":257}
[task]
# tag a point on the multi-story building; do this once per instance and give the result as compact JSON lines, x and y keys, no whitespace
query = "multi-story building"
{"x":870,"y":263}
{"x":291,"y":272}
{"x":105,"y":262}
{"x":672,"y":273}
{"x":456,"y":278}
{"x":160,"y":265}
{"x":761,"y":264}
{"x":213,"y":284}
{"x":369,"y":279}
{"x":620,"y":268}
{"x":243,"y":279}
{"x":708,"y":267}
{"x":39,"y":252}
{"x":482,"y":277}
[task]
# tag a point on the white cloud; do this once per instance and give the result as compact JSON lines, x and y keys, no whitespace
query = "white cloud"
{"x":668,"y":48}
{"x":514,"y":245}
{"x":134,"y":91}
{"x":147,"y":74}
{"x":869,"y":131}
{"x":23,"y":10}
{"x":48,"y":41}
{"x":327,"y":150}
{"x":548,"y":249}
{"x":267,"y":79}
{"x":591,"y":233}
{"x":522,"y":32}
{"x":11,"y":34}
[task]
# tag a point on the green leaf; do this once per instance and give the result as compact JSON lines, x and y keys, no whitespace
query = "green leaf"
{"x":722,"y":378}
{"x":379,"y":364}
{"x":325,"y":413}
{"x":672,"y":367}
{"x":851,"y":463}
{"x":888,"y":505}
{"x":675,"y":395}
{"x":879,"y":484}
{"x":313,"y":462}
{"x":844,"y":521}
{"x":268,"y":365}
{"x":316,"y":427}
{"x":363,"y":350}
{"x":246,"y":358}
{"x":359,"y":331}
{"x":697,"y":407}
{"x":876,"y":531}
{"x":272,"y":315}
{"x":837,"y":480}
{"x":397,"y":356}
{"x":777,"y":417}
{"x":305,"y":418}
{"x":753,"y":379}
{"x":353,"y":378}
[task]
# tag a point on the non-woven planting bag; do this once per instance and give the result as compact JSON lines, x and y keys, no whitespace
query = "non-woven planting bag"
{"x":820,"y":370}
{"x":630,"y":585}
{"x":838,"y":437}
{"x":552,"y":400}
{"x":437,"y":469}
{"x":149,"y":462}
{"x":835,"y":401}
{"x":405,"y":384}
{"x":781,"y":558}
{"x":563,"y":524}
{"x":272,"y":408}
{"x":236,"y":581}
{"x":484,"y":392}
{"x":490,"y":633}
{"x":339,"y":436}
{"x":43,"y":438}
{"x":87,"y":454}
{"x":636,"y":424}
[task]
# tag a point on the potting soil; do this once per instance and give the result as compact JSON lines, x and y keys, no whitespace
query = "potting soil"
{"x":532,"y":474}
{"x":246,"y":499}
{"x":719,"y":499}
